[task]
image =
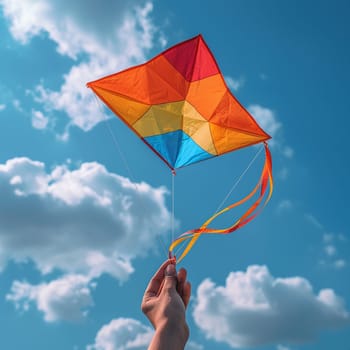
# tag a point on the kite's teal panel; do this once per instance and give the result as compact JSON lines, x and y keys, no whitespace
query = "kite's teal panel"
{"x":177,"y":148}
{"x":166,"y":145}
{"x":190,"y":152}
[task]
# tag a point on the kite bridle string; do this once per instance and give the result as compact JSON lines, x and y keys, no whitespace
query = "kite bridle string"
{"x":239,"y":179}
{"x":235,"y":184}
{"x":124,"y":160}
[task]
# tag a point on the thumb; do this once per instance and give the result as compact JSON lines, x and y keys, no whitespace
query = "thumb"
{"x":170,"y":280}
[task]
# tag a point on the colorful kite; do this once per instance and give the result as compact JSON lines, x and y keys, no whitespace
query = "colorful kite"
{"x":179,"y":104}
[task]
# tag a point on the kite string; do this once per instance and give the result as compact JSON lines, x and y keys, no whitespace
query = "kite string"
{"x":172,"y":206}
{"x":125,"y":162}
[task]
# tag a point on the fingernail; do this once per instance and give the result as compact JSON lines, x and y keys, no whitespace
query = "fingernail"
{"x":170,"y":270}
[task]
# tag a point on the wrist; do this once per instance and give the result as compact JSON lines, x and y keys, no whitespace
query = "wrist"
{"x":178,"y":332}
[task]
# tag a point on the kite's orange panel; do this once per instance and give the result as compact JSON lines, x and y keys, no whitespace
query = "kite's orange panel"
{"x":229,"y":139}
{"x":172,"y":78}
{"x":229,"y":106}
{"x":127,"y":109}
{"x":135,"y":79}
{"x":144,"y":84}
{"x":206,"y":94}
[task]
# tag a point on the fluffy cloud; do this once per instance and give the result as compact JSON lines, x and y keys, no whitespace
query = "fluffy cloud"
{"x":100,"y":39}
{"x":234,"y":84}
{"x":125,"y":334}
{"x":267,"y":119}
{"x":39,"y":121}
{"x":284,"y":205}
{"x":122,"y":334}
{"x":75,"y":27}
{"x":255,"y":309}
{"x":331,"y":246}
{"x":66,"y":298}
{"x":84,"y":221}
{"x":2,"y":107}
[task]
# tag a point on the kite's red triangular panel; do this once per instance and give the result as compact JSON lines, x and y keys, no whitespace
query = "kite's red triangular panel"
{"x":192,"y":59}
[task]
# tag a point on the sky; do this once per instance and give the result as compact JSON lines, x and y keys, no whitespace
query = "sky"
{"x":86,"y":208}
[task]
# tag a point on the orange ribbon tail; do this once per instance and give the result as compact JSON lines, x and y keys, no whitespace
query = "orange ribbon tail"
{"x":264,"y":187}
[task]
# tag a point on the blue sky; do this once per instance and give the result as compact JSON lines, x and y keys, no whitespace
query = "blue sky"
{"x":85,"y":214}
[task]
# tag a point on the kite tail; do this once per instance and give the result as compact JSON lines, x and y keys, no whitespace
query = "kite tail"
{"x":265,"y":185}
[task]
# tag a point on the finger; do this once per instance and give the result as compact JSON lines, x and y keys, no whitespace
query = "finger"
{"x":181,"y":275}
{"x":156,"y":281}
{"x":170,"y":280}
{"x":186,"y":293}
{"x":181,"y":278}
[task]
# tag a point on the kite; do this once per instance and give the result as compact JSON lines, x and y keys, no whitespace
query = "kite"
{"x":179,"y":105}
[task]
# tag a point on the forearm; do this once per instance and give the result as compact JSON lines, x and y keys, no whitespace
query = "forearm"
{"x":170,"y":338}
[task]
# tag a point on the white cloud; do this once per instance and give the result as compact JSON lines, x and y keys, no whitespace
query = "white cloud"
{"x":122,"y":334}
{"x":87,"y":220}
{"x":100,"y":39}
{"x":17,"y":104}
{"x":66,"y":298}
{"x":39,"y":121}
{"x":254,"y":308}
{"x":284,"y":205}
{"x":76,"y":27}
{"x":234,"y":84}
{"x":2,"y":107}
{"x":282,"y":347}
{"x":330,"y":250}
{"x":333,"y":244}
{"x":266,"y":119}
{"x":288,"y":152}
{"x":339,"y":263}
{"x":193,"y":346}
{"x":127,"y":333}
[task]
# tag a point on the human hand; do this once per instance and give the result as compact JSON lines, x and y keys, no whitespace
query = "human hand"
{"x":164,"y":303}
